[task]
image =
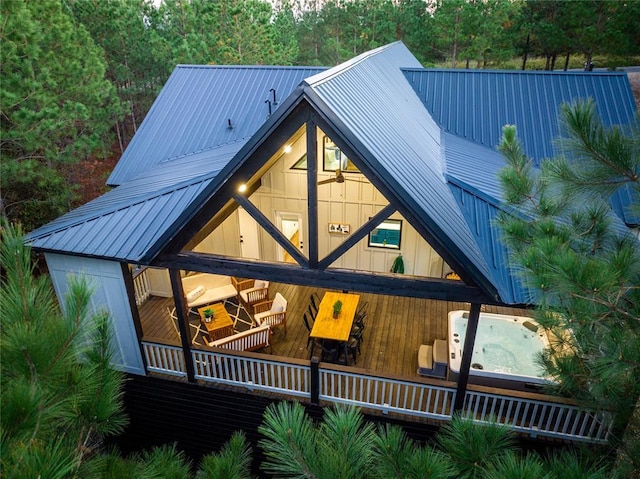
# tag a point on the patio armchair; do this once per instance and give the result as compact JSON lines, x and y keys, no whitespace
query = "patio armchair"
{"x":251,"y":291}
{"x":272,"y":312}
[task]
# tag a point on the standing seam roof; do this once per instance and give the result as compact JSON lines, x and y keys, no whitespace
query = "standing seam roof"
{"x":403,"y":142}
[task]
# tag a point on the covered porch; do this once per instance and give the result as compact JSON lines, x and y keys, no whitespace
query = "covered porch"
{"x":395,"y":327}
{"x":384,"y":379}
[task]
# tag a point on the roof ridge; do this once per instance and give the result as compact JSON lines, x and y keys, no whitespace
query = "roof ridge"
{"x":347,"y":65}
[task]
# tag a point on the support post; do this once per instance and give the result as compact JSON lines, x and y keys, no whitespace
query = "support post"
{"x":315,"y":380}
{"x":467,"y":354}
{"x":183,"y":322}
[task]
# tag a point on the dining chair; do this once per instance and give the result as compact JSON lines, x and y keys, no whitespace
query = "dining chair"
{"x":313,"y":311}
{"x":314,"y":299}
{"x":361,"y":313}
{"x":352,"y":350}
{"x":328,"y":350}
{"x":307,"y":324}
{"x":358,"y":336}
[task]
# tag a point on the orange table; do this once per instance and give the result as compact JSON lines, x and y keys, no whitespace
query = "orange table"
{"x":221,"y":325}
{"x":326,"y":327}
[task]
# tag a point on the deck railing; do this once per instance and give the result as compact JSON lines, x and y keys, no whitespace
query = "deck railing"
{"x":141,"y":286}
{"x":532,"y":414}
{"x":386,"y":394}
{"x":538,"y":417}
{"x":253,"y":371}
{"x":164,"y":359}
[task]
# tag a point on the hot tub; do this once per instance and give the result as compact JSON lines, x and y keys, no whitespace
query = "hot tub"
{"x":505,"y":352}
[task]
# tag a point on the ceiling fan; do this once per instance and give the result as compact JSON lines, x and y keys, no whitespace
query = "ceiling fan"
{"x":340,"y":178}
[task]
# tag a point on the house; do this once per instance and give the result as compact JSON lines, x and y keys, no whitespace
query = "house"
{"x":322,"y":178}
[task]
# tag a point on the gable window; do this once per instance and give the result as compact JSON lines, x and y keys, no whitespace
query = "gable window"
{"x":334,"y":159}
{"x":386,"y":235}
{"x":301,"y":164}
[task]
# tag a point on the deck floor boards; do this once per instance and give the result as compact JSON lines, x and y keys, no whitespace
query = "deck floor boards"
{"x":395,"y":327}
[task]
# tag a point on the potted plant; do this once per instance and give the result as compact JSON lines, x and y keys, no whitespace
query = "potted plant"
{"x":337,"y":307}
{"x":208,"y":314}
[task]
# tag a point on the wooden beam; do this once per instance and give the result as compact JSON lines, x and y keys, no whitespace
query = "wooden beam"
{"x":312,"y":193}
{"x":357,"y":235}
{"x":249,"y":160}
{"x":270,"y":228}
{"x":467,"y":354}
{"x":334,"y":278}
{"x":219,"y":218}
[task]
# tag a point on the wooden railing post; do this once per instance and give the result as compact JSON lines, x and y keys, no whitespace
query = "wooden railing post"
{"x":467,"y":354}
{"x":315,"y":380}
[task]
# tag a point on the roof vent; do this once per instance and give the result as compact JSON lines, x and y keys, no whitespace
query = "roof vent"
{"x":269,"y":103}
{"x":229,"y":125}
{"x":275,"y":102}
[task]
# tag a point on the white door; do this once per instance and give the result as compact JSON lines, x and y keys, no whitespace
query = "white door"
{"x":249,"y":247}
{"x":290,"y":226}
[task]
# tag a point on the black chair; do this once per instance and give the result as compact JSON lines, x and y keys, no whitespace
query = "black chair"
{"x":314,"y":300}
{"x":352,"y":350}
{"x":361,"y":314}
{"x":313,"y":311}
{"x":358,"y":336}
{"x":307,"y":324}
{"x":329,"y":351}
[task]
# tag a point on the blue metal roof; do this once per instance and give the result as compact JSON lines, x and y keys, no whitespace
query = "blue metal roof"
{"x":398,"y":139}
{"x":123,"y":223}
{"x":192,"y":112}
{"x":476,"y":104}
{"x":440,"y":161}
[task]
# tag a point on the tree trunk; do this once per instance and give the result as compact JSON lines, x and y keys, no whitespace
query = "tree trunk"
{"x":626,"y":455}
{"x":566,"y":61}
{"x":526,"y":52}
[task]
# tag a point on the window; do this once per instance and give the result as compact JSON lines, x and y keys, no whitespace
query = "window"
{"x":386,"y":235}
{"x":334,"y":159}
{"x":301,"y":164}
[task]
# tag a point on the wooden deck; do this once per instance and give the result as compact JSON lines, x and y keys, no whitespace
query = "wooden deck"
{"x":395,"y":327}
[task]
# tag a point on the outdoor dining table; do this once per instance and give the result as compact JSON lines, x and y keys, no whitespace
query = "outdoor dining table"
{"x":326,"y":327}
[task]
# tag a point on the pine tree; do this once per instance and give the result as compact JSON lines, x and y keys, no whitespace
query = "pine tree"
{"x":580,"y":262}
{"x":60,"y":396}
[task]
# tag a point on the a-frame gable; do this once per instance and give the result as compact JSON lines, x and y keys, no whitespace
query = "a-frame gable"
{"x":247,"y":167}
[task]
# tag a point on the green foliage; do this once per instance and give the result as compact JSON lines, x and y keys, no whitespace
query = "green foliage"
{"x":580,"y":263}
{"x":59,"y":395}
{"x":33,"y":192}
{"x":56,"y":106}
{"x":471,"y":447}
{"x":398,"y":456}
{"x":232,"y":462}
{"x":341,"y":446}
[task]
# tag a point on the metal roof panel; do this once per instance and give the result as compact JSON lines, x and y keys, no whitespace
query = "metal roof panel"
{"x":192,"y":112}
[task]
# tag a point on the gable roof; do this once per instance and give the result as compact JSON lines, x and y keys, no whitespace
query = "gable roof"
{"x":193,"y":111}
{"x":381,"y":105}
{"x":474,"y":105}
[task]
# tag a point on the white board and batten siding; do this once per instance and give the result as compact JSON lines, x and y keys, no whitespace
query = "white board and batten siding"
{"x":110,"y":294}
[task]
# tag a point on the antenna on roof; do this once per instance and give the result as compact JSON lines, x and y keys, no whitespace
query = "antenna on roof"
{"x":269,"y":102}
{"x":229,"y":125}
{"x":275,"y":102}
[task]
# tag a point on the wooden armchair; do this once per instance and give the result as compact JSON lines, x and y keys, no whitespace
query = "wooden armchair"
{"x":272,"y":312}
{"x":251,"y":291}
